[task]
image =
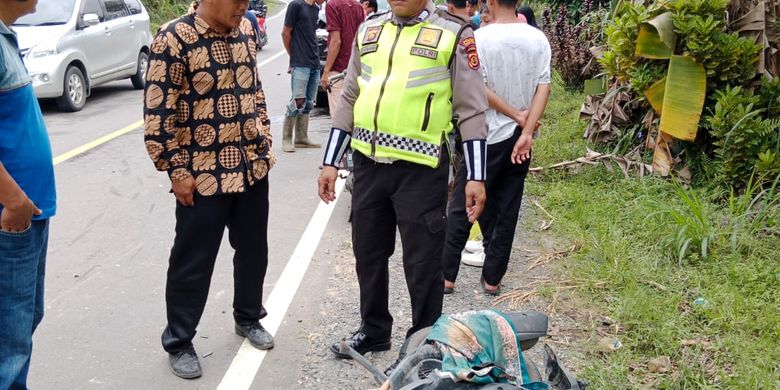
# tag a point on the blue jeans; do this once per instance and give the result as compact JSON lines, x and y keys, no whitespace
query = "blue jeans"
{"x":22,"y":270}
{"x":304,"y":86}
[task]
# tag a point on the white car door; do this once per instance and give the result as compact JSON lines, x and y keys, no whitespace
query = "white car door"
{"x":92,"y":40}
{"x":139,"y":25}
{"x":118,"y":23}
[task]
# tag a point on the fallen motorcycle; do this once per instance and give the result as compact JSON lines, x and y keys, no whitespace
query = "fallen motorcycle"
{"x":420,"y":362}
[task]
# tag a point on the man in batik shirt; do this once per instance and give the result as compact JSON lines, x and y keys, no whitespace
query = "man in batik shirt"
{"x":207,"y":126}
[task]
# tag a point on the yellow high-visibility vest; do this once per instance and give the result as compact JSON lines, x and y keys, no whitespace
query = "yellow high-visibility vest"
{"x":404,"y":108}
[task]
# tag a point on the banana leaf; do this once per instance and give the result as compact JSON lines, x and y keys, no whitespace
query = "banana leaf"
{"x":686,"y":88}
{"x":655,"y":95}
{"x":657,"y":39}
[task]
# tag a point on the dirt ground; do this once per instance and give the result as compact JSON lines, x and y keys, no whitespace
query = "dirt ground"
{"x":528,"y":285}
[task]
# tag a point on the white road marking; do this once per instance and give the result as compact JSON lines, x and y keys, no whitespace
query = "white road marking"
{"x":280,"y":13}
{"x":100,"y":141}
{"x":243,"y":369}
{"x":273,"y":57}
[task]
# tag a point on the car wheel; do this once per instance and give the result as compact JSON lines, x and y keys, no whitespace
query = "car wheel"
{"x":74,"y":95}
{"x":139,"y":79}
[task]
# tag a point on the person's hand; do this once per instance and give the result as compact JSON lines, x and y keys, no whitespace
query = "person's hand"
{"x":522,"y":149}
{"x":326,"y":184}
{"x":475,"y":199}
{"x":184,"y":191}
{"x":520,"y":117}
{"x":324,"y":81}
{"x":17,"y":218}
{"x":289,"y":69}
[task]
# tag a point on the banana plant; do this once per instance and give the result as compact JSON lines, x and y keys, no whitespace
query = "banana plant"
{"x":678,"y":97}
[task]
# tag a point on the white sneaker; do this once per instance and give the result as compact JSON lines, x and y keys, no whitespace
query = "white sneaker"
{"x":473,"y":259}
{"x":474,"y":246}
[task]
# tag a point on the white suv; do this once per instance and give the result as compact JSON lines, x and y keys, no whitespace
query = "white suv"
{"x":70,"y":46}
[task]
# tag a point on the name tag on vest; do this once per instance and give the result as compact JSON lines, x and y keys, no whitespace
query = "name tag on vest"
{"x":423,"y":52}
{"x":369,"y":48}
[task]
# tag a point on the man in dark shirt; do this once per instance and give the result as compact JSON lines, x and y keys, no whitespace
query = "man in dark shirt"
{"x":206,"y":124}
{"x":300,"y":40}
{"x":343,"y":17}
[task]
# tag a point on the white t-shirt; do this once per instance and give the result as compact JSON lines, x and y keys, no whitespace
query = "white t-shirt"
{"x":515,"y":59}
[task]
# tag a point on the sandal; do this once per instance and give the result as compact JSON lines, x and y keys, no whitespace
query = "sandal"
{"x":448,"y":290}
{"x":487,"y":291}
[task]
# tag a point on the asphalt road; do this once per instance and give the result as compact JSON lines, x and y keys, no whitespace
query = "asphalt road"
{"x":109,"y":244}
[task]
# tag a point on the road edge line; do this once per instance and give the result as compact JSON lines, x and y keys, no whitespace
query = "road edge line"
{"x":93,"y":144}
{"x":245,"y":365}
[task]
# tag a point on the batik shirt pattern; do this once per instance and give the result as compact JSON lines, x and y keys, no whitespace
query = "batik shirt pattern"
{"x":205,"y":113}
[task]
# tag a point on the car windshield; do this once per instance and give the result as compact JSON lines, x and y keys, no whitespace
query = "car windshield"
{"x":48,"y":12}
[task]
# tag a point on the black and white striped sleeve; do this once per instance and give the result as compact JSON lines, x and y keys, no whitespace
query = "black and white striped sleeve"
{"x":475,"y":156}
{"x":336,"y":146}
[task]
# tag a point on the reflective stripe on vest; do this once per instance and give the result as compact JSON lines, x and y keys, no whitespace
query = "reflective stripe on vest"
{"x":404,"y":108}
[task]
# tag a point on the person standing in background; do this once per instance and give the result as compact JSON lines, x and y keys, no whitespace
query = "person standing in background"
{"x":300,"y":40}
{"x":475,"y":7}
{"x":528,"y":15}
{"x":515,"y":60}
{"x":343,"y":17}
{"x":459,"y":8}
{"x":369,"y":7}
{"x":27,"y":203}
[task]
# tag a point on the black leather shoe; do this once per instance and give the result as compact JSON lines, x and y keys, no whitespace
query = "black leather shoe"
{"x":185,"y":364}
{"x":256,"y":334}
{"x":361,"y":343}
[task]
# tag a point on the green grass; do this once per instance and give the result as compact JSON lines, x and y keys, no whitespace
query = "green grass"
{"x":639,"y":234}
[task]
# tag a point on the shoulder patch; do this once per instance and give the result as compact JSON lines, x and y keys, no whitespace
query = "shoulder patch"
{"x":470,"y":46}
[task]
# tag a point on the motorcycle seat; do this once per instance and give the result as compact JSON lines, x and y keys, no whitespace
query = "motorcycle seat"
{"x":530,"y":326}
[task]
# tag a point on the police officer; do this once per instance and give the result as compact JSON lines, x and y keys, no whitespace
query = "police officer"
{"x":411,"y":70}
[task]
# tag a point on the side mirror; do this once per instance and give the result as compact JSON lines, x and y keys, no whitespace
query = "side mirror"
{"x":90,"y":20}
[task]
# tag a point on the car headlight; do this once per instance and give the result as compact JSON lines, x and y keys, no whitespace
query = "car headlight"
{"x":44,"y":49}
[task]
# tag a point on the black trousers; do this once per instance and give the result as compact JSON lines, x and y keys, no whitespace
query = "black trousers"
{"x":504,"y":189}
{"x":199,"y":231}
{"x":413,"y":198}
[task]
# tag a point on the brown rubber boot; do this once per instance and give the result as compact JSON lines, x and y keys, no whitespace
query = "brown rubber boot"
{"x":302,"y":133}
{"x":287,"y":134}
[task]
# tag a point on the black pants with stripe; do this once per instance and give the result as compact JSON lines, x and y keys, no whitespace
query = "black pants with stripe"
{"x":411,"y":198}
{"x":199,"y":231}
{"x":504,"y":189}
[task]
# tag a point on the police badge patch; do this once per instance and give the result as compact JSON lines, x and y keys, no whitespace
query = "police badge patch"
{"x":372,"y":35}
{"x":470,"y":46}
{"x":429,"y":37}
